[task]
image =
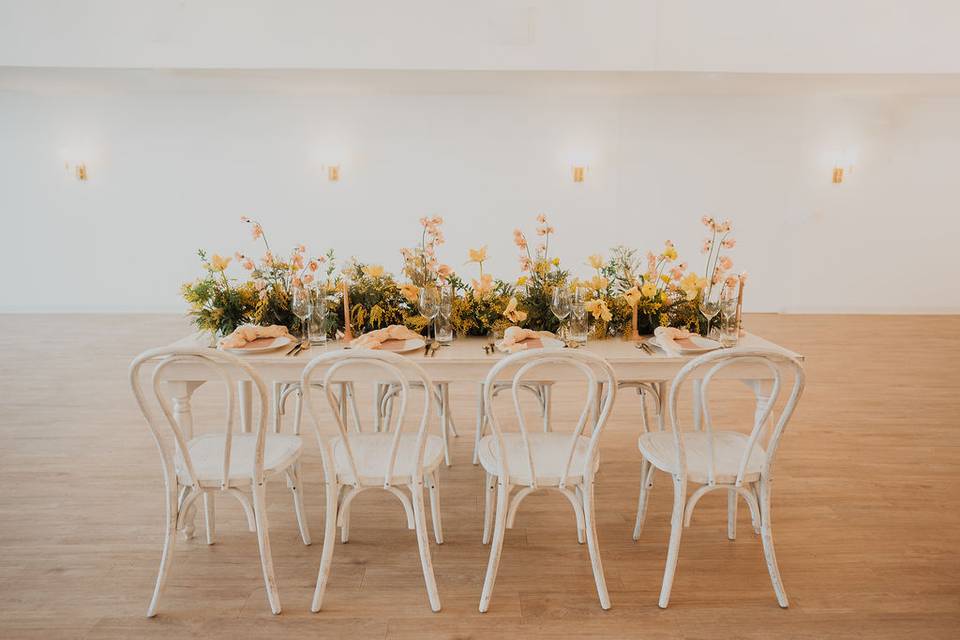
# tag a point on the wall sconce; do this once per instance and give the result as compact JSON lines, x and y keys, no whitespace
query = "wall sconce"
{"x":578,"y":173}
{"x":333,"y":173}
{"x":842,"y":167}
{"x":79,"y":170}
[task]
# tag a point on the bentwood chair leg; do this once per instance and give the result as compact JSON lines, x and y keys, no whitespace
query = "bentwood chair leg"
{"x":209,"y":514}
{"x":263,"y":540}
{"x":731,"y":515}
{"x":329,"y":542}
{"x":646,"y":485}
{"x":434,"y":481}
{"x":499,"y":529}
{"x":676,"y":530}
{"x":489,"y":487}
{"x":295,"y":483}
{"x":423,"y":542}
{"x":766,"y":535}
{"x":481,"y":418}
{"x":593,"y":545}
{"x":169,"y":541}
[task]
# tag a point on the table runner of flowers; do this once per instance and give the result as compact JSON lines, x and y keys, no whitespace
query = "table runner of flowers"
{"x":665,"y":291}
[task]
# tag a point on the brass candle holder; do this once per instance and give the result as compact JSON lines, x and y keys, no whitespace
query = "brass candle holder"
{"x":347,"y":332}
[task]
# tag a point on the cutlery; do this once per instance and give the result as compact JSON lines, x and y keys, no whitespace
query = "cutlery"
{"x":294,"y":348}
{"x":434,"y":348}
{"x":426,"y":349}
{"x":298,"y":349}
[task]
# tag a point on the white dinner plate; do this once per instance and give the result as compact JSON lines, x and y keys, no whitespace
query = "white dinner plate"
{"x":402,"y":346}
{"x":261,"y":345}
{"x":546,"y":342}
{"x":701,"y":345}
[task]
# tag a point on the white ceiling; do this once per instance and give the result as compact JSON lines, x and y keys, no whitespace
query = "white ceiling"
{"x":729,"y":36}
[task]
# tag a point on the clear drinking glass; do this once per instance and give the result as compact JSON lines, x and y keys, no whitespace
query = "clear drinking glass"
{"x":729,"y":331}
{"x":317,"y":323}
{"x":579,"y":326}
{"x":444,"y":327}
{"x":300,"y":306}
{"x":429,"y":305}
{"x":560,"y":305}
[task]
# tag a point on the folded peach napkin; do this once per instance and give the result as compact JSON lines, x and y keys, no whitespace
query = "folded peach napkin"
{"x":667,"y":338}
{"x":516,"y":339}
{"x":373,"y":339}
{"x":247,"y":333}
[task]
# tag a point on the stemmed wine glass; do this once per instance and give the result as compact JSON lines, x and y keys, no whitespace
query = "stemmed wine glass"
{"x":300,"y":306}
{"x":709,"y":308}
{"x":560,"y":305}
{"x":429,"y":306}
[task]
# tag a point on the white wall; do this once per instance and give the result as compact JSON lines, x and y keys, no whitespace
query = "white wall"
{"x":773,"y":36}
{"x":173,"y":163}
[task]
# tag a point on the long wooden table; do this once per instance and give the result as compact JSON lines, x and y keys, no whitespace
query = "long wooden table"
{"x":464,"y":361}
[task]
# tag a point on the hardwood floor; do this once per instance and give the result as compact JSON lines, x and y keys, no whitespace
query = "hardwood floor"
{"x":866,"y":513}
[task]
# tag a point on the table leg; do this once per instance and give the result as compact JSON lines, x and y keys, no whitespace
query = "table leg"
{"x":245,"y":396}
{"x":181,"y":392}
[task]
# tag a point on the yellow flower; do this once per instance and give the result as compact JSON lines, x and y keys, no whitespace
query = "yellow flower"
{"x":478,"y":255}
{"x":219,"y":263}
{"x":670,"y":253}
{"x":373,"y":271}
{"x":595,"y":261}
{"x":632,"y":295}
{"x":555,"y":262}
{"x":410,"y":291}
{"x":665,"y":277}
{"x":648,"y":290}
{"x":598,"y":283}
{"x":512,"y":314}
{"x":522,"y":280}
{"x":483,"y":286}
{"x":599,"y":309}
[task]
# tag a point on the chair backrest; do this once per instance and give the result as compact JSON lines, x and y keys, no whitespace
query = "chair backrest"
{"x":365,"y":365}
{"x":595,"y":371}
{"x":225,"y":367}
{"x":775,"y":366}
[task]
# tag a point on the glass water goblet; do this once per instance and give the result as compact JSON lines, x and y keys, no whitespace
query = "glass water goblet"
{"x":560,"y":306}
{"x":729,"y":331}
{"x":318,"y":322}
{"x":578,"y":325}
{"x":709,"y":308}
{"x":429,"y":305}
{"x":300,"y":306}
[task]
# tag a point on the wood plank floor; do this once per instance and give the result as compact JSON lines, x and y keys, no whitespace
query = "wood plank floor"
{"x":866,"y":513}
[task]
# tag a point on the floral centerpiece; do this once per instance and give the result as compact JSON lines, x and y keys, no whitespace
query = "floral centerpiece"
{"x":530,"y":306}
{"x":478,"y":308}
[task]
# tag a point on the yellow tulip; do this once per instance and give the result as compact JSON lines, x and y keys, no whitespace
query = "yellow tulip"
{"x":599,"y":309}
{"x":410,"y":291}
{"x":595,"y":261}
{"x":632,"y":295}
{"x":512,"y":314}
{"x":598,"y":283}
{"x":670,"y":253}
{"x":219,"y":263}
{"x":373,"y":271}
{"x":478,"y":255}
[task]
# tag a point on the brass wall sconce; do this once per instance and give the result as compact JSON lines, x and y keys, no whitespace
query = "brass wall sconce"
{"x":578,"y":173}
{"x":333,"y":173}
{"x":79,"y":171}
{"x":837,"y":175}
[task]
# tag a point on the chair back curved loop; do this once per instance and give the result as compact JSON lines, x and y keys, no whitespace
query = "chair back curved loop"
{"x":595,"y":371}
{"x":226,"y":368}
{"x":352,"y":365}
{"x":777,"y":367}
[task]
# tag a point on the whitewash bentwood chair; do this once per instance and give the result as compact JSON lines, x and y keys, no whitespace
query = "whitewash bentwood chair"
{"x":221,"y":462}
{"x":737,"y":462}
{"x":389,"y":459}
{"x":532,"y":460}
